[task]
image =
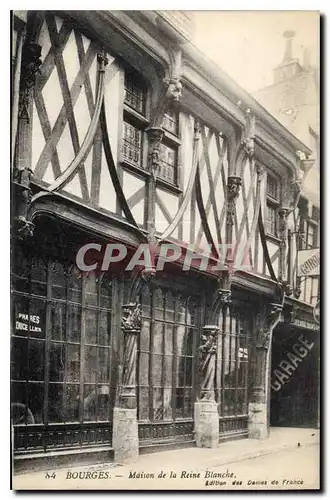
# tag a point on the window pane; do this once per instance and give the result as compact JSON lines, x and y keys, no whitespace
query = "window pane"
{"x":144,"y":335}
{"x":103,"y":403}
{"x":57,"y":358}
{"x":132,"y":143}
{"x":157,"y":404}
{"x":134,"y":92}
{"x":157,"y":370}
{"x":19,"y":359}
{"x":143,"y":369}
{"x":20,"y":411}
{"x":73,"y":363}
{"x":58,"y":320}
{"x":39,"y":277}
{"x":72,"y":403}
{"x":104,"y":327}
{"x":272,"y":187}
{"x":75,"y":285}
{"x":167,"y":404}
{"x":90,"y":402}
{"x":158,"y":337}
{"x":271,"y":220}
{"x":143,"y":403}
{"x":58,"y":281}
{"x":104,"y":365}
{"x":74,"y":323}
{"x":105,"y":293}
{"x":36,"y":359}
{"x":91,"y":326}
{"x":91,"y":290}
{"x":167,"y":163}
{"x":90,"y":367}
{"x":56,"y":401}
{"x":36,"y":401}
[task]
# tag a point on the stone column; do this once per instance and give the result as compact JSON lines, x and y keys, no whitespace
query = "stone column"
{"x":205,"y":409}
{"x":258,"y":421}
{"x":125,"y":438}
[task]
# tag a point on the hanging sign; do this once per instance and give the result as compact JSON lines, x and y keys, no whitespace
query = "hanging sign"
{"x":309,"y":262}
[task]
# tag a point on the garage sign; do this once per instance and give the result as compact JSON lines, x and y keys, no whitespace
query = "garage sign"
{"x":309,"y":262}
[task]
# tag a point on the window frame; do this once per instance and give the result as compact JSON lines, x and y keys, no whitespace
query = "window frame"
{"x":273,"y":203}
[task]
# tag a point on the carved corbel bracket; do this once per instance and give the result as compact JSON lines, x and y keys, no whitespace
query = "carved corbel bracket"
{"x":224,"y":298}
{"x":266,"y":322}
{"x":244,"y":138}
{"x":168,"y":91}
{"x":233,"y":188}
{"x":31,"y":63}
{"x":249,"y":133}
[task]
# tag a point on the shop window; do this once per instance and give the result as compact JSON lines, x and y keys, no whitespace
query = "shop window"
{"x":58,"y":341}
{"x":232,"y":367}
{"x":166,"y":341}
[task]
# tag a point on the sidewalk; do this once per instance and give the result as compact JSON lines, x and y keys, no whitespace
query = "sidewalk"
{"x":191,"y":459}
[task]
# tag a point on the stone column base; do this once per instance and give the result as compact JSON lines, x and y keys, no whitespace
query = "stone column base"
{"x":206,"y":424}
{"x":125,"y":439}
{"x":258,"y":427}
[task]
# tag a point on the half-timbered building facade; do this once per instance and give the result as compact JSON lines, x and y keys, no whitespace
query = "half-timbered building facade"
{"x":123,"y":132}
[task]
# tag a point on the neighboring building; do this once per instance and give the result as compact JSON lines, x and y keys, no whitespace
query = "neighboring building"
{"x":294,"y":99}
{"x":124,"y":132}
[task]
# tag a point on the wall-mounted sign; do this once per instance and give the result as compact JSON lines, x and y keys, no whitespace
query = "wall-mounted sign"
{"x":26,"y":322}
{"x":309,"y":262}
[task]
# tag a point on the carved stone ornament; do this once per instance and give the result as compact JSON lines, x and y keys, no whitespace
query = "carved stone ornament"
{"x":131,"y":320}
{"x":174,"y":89}
{"x":266,"y":324}
{"x":208,"y":349}
{"x":233,"y":189}
{"x":249,"y":133}
{"x":103,"y":61}
{"x":22,"y":196}
{"x":155,"y":136}
{"x":263,"y":339}
{"x":209,"y":339}
{"x":31,"y":62}
{"x":224,"y":298}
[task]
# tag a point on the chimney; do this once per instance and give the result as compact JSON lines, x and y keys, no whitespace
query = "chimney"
{"x":289,"y":66}
{"x":289,"y":36}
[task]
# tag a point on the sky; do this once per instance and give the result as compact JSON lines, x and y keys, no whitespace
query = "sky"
{"x":249,"y":44}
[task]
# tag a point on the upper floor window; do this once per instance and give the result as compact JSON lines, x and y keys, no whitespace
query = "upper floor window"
{"x":170,"y":122}
{"x":272,"y":187}
{"x":309,"y":226}
{"x":167,"y":164}
{"x":134,"y":118}
{"x":135,"y":94}
{"x":135,"y":123}
{"x":272,"y":204}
